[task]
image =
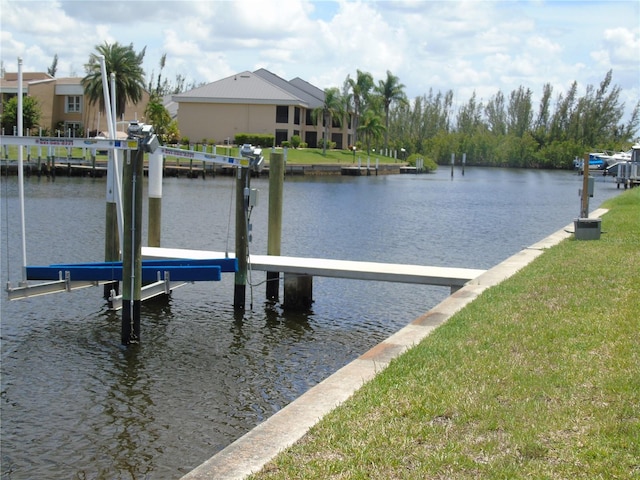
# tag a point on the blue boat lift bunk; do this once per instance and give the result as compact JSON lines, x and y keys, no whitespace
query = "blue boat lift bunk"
{"x":165,"y":275}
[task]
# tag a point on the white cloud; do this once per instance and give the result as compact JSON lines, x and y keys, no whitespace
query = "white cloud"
{"x":623,"y":45}
{"x":464,"y":46}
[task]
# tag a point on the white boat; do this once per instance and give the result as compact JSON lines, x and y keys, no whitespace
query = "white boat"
{"x":617,"y":157}
{"x":603,"y":160}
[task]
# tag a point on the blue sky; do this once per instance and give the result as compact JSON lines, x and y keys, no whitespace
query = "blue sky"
{"x":463,"y":46}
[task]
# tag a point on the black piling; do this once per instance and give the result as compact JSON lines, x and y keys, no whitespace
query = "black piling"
{"x":132,"y":249}
{"x":240,"y":280}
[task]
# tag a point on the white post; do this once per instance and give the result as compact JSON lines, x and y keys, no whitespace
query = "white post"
{"x":21,"y":175}
{"x":115,"y":156}
{"x":155,"y":198}
{"x":155,"y":174}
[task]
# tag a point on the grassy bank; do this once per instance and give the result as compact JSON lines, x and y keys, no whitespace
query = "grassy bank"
{"x":537,"y":378}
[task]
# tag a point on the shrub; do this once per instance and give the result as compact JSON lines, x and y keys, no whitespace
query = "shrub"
{"x":295,"y":141}
{"x":257,"y":139}
{"x":429,"y":164}
{"x":330,"y":145}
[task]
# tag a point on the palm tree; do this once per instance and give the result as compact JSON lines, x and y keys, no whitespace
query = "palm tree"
{"x":360,"y":88}
{"x":127,"y":66}
{"x":158,"y":116}
{"x":371,"y":127}
{"x":391,"y":90}
{"x":331,"y":109}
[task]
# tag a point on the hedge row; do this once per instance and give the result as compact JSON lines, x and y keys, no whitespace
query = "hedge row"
{"x":258,"y":139}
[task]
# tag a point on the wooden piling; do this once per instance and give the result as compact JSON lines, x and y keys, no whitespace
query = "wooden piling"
{"x":298,"y":292}
{"x":453,"y":161}
{"x":155,"y":198}
{"x":584,"y":199}
{"x":274,"y":234}
{"x":132,"y":249}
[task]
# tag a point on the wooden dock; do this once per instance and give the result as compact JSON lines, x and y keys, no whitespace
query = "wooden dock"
{"x":451,"y":277}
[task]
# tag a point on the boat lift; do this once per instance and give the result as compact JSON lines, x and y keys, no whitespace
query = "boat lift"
{"x":67,"y":277}
{"x":140,"y":139}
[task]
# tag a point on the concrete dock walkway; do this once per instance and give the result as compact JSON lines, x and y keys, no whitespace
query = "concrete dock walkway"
{"x":252,"y":451}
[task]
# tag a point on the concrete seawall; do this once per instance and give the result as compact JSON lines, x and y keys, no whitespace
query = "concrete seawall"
{"x":252,"y":451}
{"x":82,"y":168}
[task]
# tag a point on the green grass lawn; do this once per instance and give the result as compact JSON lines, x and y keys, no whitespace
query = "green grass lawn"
{"x":304,"y":156}
{"x":314,"y":156}
{"x":539,"y":377}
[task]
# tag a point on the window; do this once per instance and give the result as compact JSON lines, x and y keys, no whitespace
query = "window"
{"x":282,"y":114}
{"x":73,"y":128}
{"x":281,"y":136}
{"x":73,"y":104}
{"x":296,"y":115}
{"x":311,"y":138}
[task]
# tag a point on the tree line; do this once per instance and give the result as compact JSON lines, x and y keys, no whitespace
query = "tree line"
{"x":506,"y":130}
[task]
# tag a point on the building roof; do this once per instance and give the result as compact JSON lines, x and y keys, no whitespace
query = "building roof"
{"x":310,"y":100}
{"x":307,"y":87}
{"x":170,"y":105}
{"x":259,"y":87}
{"x":9,"y":82}
{"x":245,"y":87}
{"x":27,"y":76}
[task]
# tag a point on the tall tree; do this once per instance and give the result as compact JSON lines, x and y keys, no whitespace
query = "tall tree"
{"x":437,"y":111}
{"x":469,"y":116}
{"x":332,"y":109}
{"x":360,"y":88}
{"x":126,"y":64}
{"x":602,"y":112}
{"x":158,"y":116}
{"x":519,"y":112}
{"x":542,"y":125}
{"x":496,"y":114}
{"x":371,"y":128}
{"x":390,"y":90}
{"x":561,"y":119}
{"x":54,"y":66}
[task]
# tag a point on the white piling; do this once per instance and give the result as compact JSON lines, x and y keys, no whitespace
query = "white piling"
{"x":21,"y":175}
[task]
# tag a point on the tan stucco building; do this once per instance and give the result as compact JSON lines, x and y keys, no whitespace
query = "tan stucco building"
{"x":257,"y":102}
{"x":63,"y":105}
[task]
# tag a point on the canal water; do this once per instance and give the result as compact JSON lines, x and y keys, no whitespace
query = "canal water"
{"x":75,"y":404}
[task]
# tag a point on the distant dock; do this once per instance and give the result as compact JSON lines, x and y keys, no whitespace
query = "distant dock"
{"x":79,"y":167}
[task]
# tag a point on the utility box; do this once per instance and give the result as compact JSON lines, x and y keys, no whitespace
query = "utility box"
{"x":587,"y":228}
{"x":591,"y":182}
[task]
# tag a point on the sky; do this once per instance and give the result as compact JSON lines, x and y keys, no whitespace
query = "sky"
{"x":468,"y":47}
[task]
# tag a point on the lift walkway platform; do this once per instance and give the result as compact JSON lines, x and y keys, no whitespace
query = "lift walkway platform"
{"x":451,"y":277}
